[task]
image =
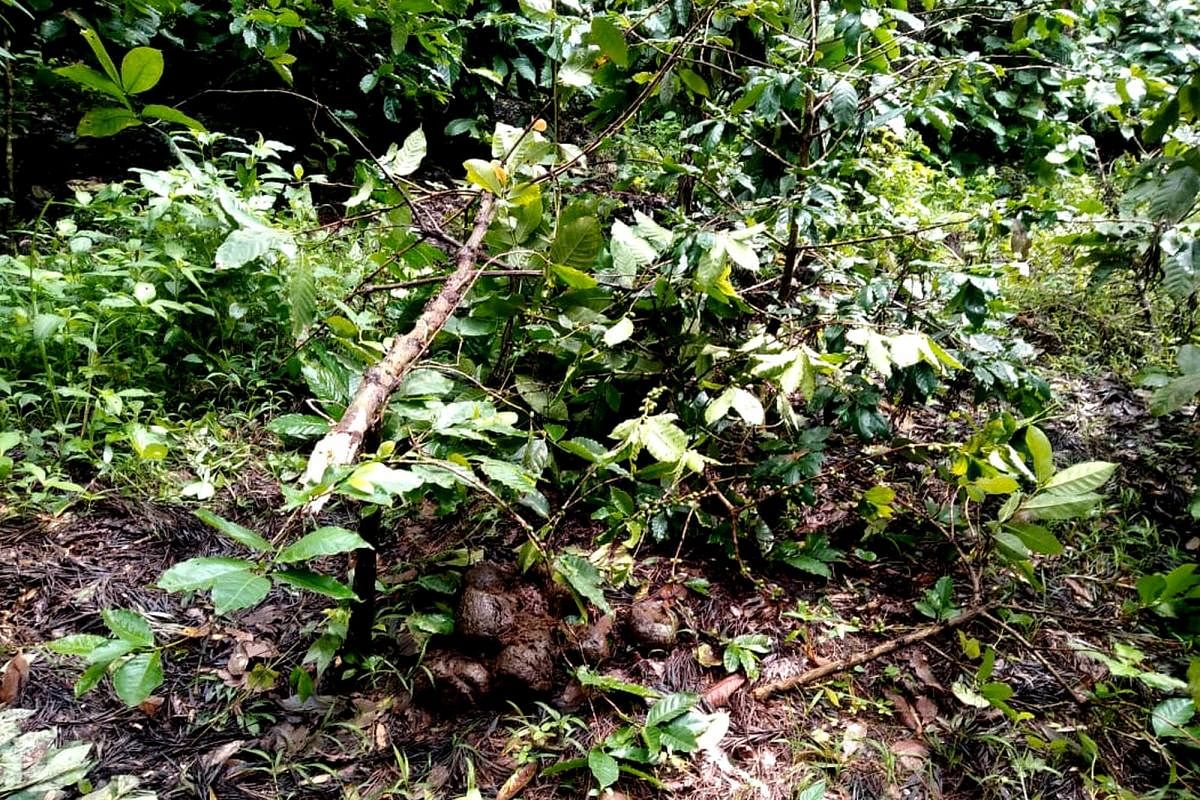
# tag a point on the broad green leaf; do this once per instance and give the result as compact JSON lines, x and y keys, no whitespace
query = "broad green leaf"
{"x":1060,"y":506}
{"x":1170,"y":716}
{"x":814,"y":791}
{"x":603,"y":768}
{"x":90,"y":678}
{"x":46,"y":325}
{"x":107,"y":121}
{"x":1174,"y":395}
{"x":425,"y":383}
{"x":610,"y":40}
{"x":1036,"y":538}
{"x":86,"y":76}
{"x":486,"y":175}
{"x":376,"y":477}
{"x":298,"y":426}
{"x":693,"y":81}
{"x":619,"y":332}
{"x":326,"y":541}
{"x":199,"y":573}
{"x":408,"y":158}
{"x":110,"y":650}
{"x":843,"y":103}
{"x":128,"y":625}
{"x":244,"y":245}
{"x":301,"y":297}
{"x":1080,"y":478}
{"x":76,"y":644}
{"x":233,"y":591}
{"x":1043,"y":455}
{"x":137,"y":678}
{"x":141,"y":69}
{"x":670,"y":707}
{"x":583,"y":577}
{"x":748,"y":406}
{"x":577,"y":243}
{"x":315,"y":582}
{"x":575,"y":278}
{"x":998,"y":484}
{"x":174,"y":115}
{"x":237,"y":533}
{"x":149,"y":445}
{"x":662,"y":437}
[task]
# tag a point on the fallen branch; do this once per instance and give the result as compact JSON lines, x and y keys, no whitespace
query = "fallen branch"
{"x":342,"y":443}
{"x":841,"y":665}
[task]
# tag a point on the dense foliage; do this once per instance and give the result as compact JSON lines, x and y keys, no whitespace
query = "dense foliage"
{"x":739,"y":250}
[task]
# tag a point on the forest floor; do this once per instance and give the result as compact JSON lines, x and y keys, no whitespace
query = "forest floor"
{"x":906,"y":724}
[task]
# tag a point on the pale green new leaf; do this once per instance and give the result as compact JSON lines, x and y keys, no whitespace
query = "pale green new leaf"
{"x":141,"y":69}
{"x":101,"y":122}
{"x":619,"y":332}
{"x":603,"y":768}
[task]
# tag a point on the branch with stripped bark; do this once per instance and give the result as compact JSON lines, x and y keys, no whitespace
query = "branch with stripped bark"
{"x":341,"y":445}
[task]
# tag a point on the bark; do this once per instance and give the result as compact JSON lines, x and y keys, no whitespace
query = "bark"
{"x":344,"y":441}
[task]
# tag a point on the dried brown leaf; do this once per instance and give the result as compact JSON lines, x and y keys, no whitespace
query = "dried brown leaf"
{"x":719,"y":693}
{"x":517,"y":781}
{"x":16,"y":675}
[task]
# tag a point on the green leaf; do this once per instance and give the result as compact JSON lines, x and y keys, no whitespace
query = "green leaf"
{"x":1059,"y":506}
{"x":375,"y":477}
{"x":86,"y":76}
{"x":90,"y":678}
{"x":407,"y":159}
{"x":298,"y":426}
{"x":484,"y":174}
{"x":232,"y":591}
{"x":610,"y":40}
{"x":101,"y":122}
{"x":603,"y":767}
{"x":46,"y":325}
{"x":843,"y":103}
{"x":1174,"y":395}
{"x":663,"y":438}
{"x":199,"y":573}
{"x":1036,"y":538}
{"x":244,"y":245}
{"x":326,"y":541}
{"x":607,"y":683}
{"x":1039,"y":449}
{"x":814,"y":791}
{"x":577,"y":243}
{"x":575,"y":278}
{"x":128,"y":625}
{"x":1080,"y":478}
{"x":1170,"y":716}
{"x":102,"y":56}
{"x":76,"y":644}
{"x":243,"y":536}
{"x":583,"y":577}
{"x":174,"y":115}
{"x":670,"y":707}
{"x":141,"y":69}
{"x":693,"y":81}
{"x":315,"y":582}
{"x":137,"y":678}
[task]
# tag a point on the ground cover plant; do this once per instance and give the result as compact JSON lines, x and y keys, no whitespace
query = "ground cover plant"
{"x":479,"y":399}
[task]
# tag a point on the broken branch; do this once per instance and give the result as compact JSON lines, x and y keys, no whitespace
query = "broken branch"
{"x":841,"y":665}
{"x":341,"y":445}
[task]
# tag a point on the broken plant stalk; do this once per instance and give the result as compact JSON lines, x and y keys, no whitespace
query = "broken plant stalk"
{"x":891,"y":646}
{"x":342,"y":444}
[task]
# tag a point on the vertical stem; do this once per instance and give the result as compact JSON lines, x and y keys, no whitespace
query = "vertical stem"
{"x":366,"y":568}
{"x":10,"y":169}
